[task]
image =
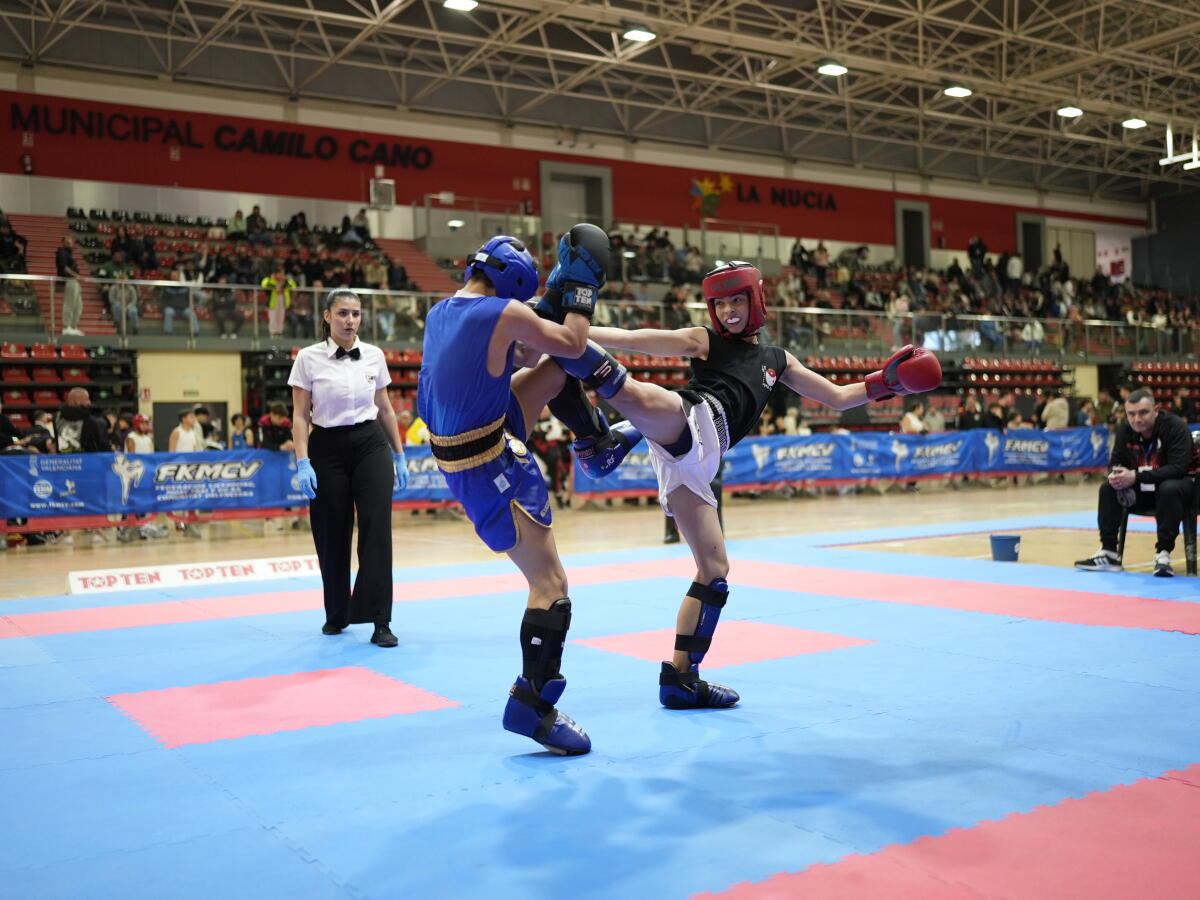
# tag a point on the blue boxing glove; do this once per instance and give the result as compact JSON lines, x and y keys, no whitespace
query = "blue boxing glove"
{"x":400,"y":466}
{"x":306,"y":478}
{"x":575,"y":281}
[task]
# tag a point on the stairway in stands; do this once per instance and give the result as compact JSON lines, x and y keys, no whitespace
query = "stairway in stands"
{"x":45,"y":234}
{"x":426,"y":274}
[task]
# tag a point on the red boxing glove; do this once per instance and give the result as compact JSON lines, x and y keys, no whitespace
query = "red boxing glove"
{"x":907,"y":371}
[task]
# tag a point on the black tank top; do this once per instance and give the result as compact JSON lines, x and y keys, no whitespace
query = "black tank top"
{"x":740,"y":375}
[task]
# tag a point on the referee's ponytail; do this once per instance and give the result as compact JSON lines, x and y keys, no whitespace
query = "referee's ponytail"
{"x":341,"y":293}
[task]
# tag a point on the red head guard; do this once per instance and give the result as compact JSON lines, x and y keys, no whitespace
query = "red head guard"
{"x":736,"y":278}
{"x":139,"y":420}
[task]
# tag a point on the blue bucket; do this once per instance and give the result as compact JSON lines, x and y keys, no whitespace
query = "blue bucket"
{"x":1005,"y":547}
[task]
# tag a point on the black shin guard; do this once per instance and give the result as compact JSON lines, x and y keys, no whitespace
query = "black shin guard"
{"x":572,"y":407}
{"x":543,"y":634}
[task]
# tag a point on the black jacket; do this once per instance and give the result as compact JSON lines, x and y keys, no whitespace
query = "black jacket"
{"x":1168,"y":452}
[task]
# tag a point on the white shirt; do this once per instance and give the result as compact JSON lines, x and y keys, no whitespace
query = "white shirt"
{"x":142,"y":443}
{"x":343,"y":390}
{"x":187,"y":442}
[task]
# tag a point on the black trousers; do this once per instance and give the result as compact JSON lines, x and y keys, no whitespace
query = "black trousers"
{"x":1166,"y":503}
{"x":354,"y":473}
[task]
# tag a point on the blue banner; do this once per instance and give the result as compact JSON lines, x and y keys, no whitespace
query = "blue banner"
{"x":76,"y":484}
{"x":872,"y":454}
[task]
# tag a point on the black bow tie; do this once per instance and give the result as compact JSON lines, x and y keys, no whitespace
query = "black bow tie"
{"x":342,"y":351}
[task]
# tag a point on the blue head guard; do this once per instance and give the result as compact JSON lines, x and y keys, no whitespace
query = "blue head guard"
{"x":506,"y":263}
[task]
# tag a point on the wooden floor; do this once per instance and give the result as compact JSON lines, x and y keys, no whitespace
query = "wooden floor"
{"x":424,"y":539}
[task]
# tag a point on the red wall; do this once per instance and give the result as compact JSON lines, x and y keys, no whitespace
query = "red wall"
{"x":197,"y":150}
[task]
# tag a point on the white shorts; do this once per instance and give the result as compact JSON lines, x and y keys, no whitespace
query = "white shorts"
{"x":696,"y":469}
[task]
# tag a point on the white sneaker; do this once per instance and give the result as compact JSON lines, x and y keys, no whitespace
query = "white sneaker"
{"x":1162,"y":564}
{"x":1103,"y":561}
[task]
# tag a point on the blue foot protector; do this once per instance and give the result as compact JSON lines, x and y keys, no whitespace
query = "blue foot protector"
{"x":533,"y":715}
{"x":685,"y":690}
{"x":599,"y":456}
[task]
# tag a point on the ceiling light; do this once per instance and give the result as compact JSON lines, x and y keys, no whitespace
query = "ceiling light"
{"x":455,"y":223}
{"x":1070,"y":112}
{"x":460,"y":5}
{"x":832,"y":68}
{"x":1133,"y":123}
{"x":957,"y":90}
{"x":639,"y":34}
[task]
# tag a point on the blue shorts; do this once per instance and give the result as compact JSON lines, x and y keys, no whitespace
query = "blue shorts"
{"x":496,"y":494}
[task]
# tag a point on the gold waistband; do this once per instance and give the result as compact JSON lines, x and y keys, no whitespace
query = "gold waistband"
{"x":473,"y":435}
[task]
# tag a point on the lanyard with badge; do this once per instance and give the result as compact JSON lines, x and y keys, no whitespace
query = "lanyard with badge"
{"x":1148,"y":451}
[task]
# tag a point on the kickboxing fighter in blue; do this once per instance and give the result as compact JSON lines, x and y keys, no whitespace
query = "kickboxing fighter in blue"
{"x":689,"y":430}
{"x":480,"y":414}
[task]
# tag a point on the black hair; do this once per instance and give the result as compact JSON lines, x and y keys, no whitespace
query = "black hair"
{"x":331,"y":298}
{"x":1137,"y":396}
{"x":277,"y":409}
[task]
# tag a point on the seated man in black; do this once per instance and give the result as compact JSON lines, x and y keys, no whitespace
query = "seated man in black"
{"x":1148,"y":474}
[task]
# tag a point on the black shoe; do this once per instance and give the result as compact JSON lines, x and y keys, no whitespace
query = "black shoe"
{"x":383,"y":637}
{"x":330,"y":628}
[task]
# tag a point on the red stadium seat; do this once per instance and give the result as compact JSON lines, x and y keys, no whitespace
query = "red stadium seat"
{"x":12,"y":350}
{"x":43,"y":351}
{"x":15,"y":375}
{"x":20,"y":420}
{"x":76,"y":375}
{"x":73,"y":351}
{"x":44,"y":374}
{"x":14,"y":397}
{"x":46,"y":398}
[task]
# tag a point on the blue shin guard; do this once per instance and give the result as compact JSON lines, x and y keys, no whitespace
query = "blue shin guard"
{"x":686,"y":690}
{"x":532,"y":714}
{"x":599,"y":456}
{"x":597,"y":369}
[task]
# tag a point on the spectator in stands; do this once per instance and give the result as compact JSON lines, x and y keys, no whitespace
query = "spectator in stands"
{"x":1148,"y":467}
{"x":935,"y":422}
{"x":1183,"y":405}
{"x":976,"y":253}
{"x":77,"y":430}
{"x":208,"y":429}
{"x":1085,"y":414}
{"x":124,"y":302}
{"x":41,"y":432}
{"x":275,"y":429}
{"x":300,"y":314}
{"x":256,"y":228}
{"x":140,"y":439}
{"x":1033,"y":333}
{"x":675,"y":311}
{"x":176,"y":303}
{"x":347,"y":235}
{"x":1056,"y":414}
{"x":969,"y":415}
{"x":853,"y":258}
{"x":72,"y":297}
{"x":1013,"y":271}
{"x":124,"y":244}
{"x":799,"y":258}
{"x":13,"y":247}
{"x":913,"y":422}
{"x":241,"y":435}
{"x":297,"y":230}
{"x":226,"y":314}
{"x":955,"y":272}
{"x":245,"y":267}
{"x":397,"y":277}
{"x":114,"y":299}
{"x":820,"y":263}
{"x":897,"y":308}
{"x":279,"y":290}
{"x":236,"y":229}
{"x":362,"y":227}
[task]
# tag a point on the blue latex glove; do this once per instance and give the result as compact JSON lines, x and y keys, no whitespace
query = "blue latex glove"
{"x":400,"y":464}
{"x":306,"y":478}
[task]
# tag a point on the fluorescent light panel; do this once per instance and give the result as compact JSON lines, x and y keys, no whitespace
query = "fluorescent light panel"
{"x":1133,"y":123}
{"x":1070,"y":112}
{"x":460,"y":5}
{"x":957,"y":90}
{"x":834,"y":69}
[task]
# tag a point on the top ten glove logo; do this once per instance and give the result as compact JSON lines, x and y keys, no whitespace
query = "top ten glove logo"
{"x":707,"y":191}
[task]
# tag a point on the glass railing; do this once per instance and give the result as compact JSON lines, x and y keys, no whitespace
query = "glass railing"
{"x":192,"y":312}
{"x":32,"y":306}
